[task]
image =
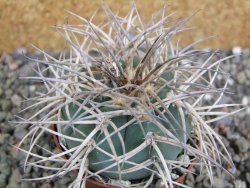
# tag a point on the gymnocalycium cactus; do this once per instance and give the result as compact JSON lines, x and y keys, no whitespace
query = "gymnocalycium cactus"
{"x":128,"y":103}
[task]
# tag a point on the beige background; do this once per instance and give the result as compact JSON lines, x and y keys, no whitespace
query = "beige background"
{"x":29,"y":21}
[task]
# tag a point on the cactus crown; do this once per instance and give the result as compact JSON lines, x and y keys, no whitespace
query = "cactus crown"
{"x":127,"y":102}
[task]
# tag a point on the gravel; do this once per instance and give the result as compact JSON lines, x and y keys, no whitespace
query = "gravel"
{"x":235,"y":132}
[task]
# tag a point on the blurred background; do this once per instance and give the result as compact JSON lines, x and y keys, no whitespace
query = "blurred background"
{"x":26,"y":22}
{"x":30,"y":21}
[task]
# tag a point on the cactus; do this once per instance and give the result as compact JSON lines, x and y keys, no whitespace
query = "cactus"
{"x":127,"y":103}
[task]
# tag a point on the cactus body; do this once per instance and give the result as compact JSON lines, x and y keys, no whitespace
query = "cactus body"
{"x":132,"y":136}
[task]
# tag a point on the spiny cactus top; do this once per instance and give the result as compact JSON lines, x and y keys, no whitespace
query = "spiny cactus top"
{"x":127,"y":102}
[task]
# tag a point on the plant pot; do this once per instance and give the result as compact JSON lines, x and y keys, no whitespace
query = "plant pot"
{"x":90,"y":183}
